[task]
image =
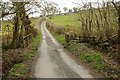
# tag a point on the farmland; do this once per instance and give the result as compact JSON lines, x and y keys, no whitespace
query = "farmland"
{"x":65,"y":20}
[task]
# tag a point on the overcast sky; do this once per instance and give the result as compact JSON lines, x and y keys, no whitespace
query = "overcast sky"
{"x":72,"y":3}
{"x":69,"y":3}
{"x":66,"y":3}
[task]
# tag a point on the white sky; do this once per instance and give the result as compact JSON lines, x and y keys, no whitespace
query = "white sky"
{"x":68,"y":3}
{"x":71,"y":3}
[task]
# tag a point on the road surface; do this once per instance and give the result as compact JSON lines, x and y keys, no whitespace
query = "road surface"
{"x":54,"y":61}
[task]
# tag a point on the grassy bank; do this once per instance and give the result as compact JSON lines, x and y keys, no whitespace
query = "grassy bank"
{"x":23,"y":69}
{"x":94,"y":59}
{"x":60,"y":38}
{"x":17,"y":63}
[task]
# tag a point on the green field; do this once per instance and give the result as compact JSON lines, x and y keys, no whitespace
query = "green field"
{"x":65,"y":20}
{"x":5,"y":29}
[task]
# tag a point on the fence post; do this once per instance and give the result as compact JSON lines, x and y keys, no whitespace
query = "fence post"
{"x":67,"y":38}
{"x":79,"y":38}
{"x":74,"y":36}
{"x":94,"y":39}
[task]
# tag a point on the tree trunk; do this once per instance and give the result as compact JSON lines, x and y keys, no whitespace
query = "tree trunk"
{"x":14,"y":43}
{"x":26,"y":23}
{"x":21,"y":38}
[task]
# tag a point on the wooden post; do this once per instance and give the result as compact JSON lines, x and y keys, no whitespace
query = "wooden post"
{"x":74,"y":35}
{"x":67,"y":37}
{"x":93,"y":39}
{"x":79,"y":38}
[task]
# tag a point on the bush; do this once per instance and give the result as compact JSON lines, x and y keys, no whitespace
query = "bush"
{"x":55,"y":28}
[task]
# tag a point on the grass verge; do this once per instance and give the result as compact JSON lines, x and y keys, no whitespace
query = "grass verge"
{"x":17,"y":63}
{"x":34,"y":44}
{"x":22,"y":68}
{"x":94,"y":59}
{"x":59,"y":37}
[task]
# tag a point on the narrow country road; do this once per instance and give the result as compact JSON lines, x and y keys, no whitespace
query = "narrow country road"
{"x":54,"y":61}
